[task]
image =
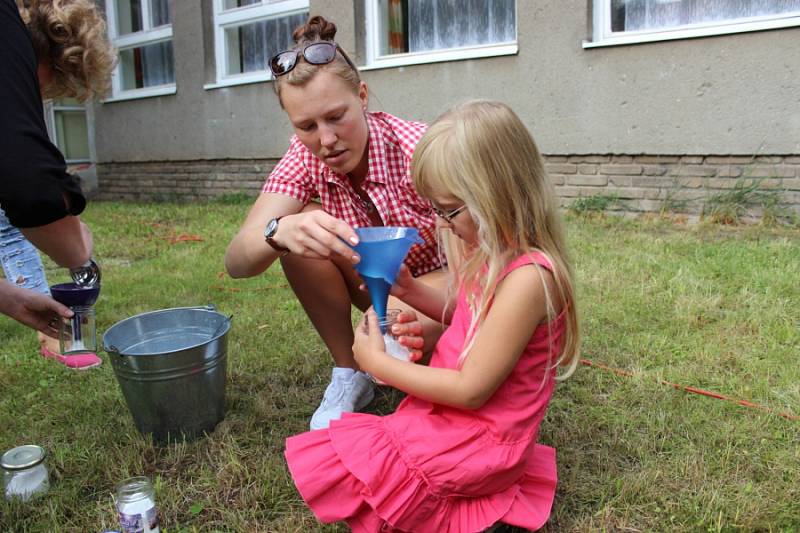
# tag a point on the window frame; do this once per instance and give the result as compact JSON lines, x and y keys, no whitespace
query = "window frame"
{"x":603,"y":36}
{"x":225,"y":19}
{"x":146,"y":36}
{"x":51,"y":107}
{"x":377,"y":61}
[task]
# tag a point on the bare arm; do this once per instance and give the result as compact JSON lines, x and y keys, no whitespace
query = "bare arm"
{"x":499,"y":344}
{"x":66,"y":241}
{"x":308,"y":231}
{"x":247,"y":254}
{"x":31,"y":308}
{"x":428,"y":300}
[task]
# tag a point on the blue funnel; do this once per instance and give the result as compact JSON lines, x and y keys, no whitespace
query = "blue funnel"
{"x":382,"y":251}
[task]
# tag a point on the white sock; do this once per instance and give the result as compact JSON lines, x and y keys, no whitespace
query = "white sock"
{"x":342,"y":372}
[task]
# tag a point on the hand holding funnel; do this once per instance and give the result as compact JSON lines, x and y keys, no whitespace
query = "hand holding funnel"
{"x":382,"y":251}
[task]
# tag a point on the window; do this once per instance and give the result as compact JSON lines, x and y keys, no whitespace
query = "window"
{"x":630,"y":21}
{"x":142,"y":32}
{"x":248,"y":33}
{"x":68,"y":128}
{"x":403,"y":32}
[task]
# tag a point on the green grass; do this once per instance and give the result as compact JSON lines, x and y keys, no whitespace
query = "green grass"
{"x":714,"y":307}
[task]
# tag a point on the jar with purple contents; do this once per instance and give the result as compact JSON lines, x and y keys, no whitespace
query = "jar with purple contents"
{"x":136,"y":506}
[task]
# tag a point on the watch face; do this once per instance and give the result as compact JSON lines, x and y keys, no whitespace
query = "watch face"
{"x":272,"y":227}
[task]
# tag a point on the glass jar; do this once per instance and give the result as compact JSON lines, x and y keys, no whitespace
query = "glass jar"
{"x":24,"y":472}
{"x":393,"y":346}
{"x":79,"y":333}
{"x":136,"y":506}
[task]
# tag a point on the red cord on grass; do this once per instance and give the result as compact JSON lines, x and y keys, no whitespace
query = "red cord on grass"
{"x":694,"y":390}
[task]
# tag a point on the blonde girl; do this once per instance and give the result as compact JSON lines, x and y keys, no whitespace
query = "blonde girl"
{"x":460,"y":453}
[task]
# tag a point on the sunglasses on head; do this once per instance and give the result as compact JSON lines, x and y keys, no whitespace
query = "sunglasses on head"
{"x":448,"y":216}
{"x":317,"y":53}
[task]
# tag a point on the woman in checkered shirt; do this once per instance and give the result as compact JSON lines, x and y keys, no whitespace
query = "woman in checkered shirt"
{"x":345,"y":168}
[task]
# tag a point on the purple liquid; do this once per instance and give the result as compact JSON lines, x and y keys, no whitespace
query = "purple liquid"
{"x":74,"y":295}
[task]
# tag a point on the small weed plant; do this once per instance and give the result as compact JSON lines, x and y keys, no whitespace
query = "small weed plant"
{"x":594,"y":204}
{"x":747,"y":198}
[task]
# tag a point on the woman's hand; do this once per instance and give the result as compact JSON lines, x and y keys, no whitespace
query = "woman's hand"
{"x":408,"y":330}
{"x":317,"y":235}
{"x":34,"y":309}
{"x":368,"y":345}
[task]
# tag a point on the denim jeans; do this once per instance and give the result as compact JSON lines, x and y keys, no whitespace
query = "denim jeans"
{"x":21,"y":262}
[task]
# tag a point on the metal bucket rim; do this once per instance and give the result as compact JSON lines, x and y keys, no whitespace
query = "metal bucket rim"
{"x":221,"y":332}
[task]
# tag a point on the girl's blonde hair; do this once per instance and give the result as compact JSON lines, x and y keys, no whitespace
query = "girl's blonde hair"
{"x":71,"y":36}
{"x":481,"y":153}
{"x":316,"y":29}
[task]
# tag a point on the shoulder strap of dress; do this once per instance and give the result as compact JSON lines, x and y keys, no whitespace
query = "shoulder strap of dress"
{"x":535,"y":257}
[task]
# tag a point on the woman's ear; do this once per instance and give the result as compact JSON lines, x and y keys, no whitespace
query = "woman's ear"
{"x":363,"y":96}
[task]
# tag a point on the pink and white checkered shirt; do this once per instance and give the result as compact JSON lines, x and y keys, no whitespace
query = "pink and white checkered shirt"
{"x":303,"y":176}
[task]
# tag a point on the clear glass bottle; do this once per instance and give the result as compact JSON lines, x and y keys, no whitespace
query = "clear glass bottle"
{"x":136,"y":506}
{"x":79,"y":333}
{"x":24,"y":472}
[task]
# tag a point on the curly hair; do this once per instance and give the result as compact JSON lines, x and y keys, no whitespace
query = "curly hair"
{"x":71,"y":35}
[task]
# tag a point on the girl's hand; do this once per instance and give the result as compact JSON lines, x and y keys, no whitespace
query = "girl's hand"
{"x":316,"y":234}
{"x":408,"y":330}
{"x":368,"y":345}
{"x":403,"y":283}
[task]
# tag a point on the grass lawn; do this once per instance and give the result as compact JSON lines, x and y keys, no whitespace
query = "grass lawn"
{"x":711,"y":307}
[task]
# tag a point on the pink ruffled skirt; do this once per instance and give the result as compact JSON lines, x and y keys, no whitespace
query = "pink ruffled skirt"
{"x":390,"y":474}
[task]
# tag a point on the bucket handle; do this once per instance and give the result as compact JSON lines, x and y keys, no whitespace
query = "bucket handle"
{"x":222,"y":326}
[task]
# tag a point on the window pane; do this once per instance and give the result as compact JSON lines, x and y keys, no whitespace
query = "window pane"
{"x":72,"y":134}
{"x":423,"y":25}
{"x":250,"y":46}
{"x":129,"y":16}
{"x":66,"y":101}
{"x":147,"y":66}
{"x":233,"y":4}
{"x":159,"y":13}
{"x":639,"y":15}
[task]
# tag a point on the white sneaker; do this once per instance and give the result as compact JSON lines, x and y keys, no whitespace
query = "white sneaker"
{"x":349,"y":391}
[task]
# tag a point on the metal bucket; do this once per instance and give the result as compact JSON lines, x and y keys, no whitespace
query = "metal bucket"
{"x":171,"y":366}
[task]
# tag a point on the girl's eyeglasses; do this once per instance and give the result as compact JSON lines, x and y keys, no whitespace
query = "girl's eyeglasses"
{"x":318,"y":53}
{"x":448,"y":216}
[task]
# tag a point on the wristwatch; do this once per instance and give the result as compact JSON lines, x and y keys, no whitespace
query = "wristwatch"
{"x":269,"y":233}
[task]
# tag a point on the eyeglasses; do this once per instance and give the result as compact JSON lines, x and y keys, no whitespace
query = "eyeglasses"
{"x":317,"y":53}
{"x":448,"y":216}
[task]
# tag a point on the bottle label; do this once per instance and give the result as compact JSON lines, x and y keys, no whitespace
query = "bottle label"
{"x":146,"y":522}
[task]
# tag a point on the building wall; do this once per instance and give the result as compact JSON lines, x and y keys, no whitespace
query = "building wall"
{"x":733,"y":95}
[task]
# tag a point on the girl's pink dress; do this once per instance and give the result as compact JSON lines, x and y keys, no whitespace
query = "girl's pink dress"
{"x":433,"y":468}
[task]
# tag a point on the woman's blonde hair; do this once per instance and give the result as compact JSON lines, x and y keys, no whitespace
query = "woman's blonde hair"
{"x":481,"y":153}
{"x":316,"y":29}
{"x":71,"y":36}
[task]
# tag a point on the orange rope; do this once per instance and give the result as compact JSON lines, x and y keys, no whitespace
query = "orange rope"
{"x":171,"y":237}
{"x":694,"y":390}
